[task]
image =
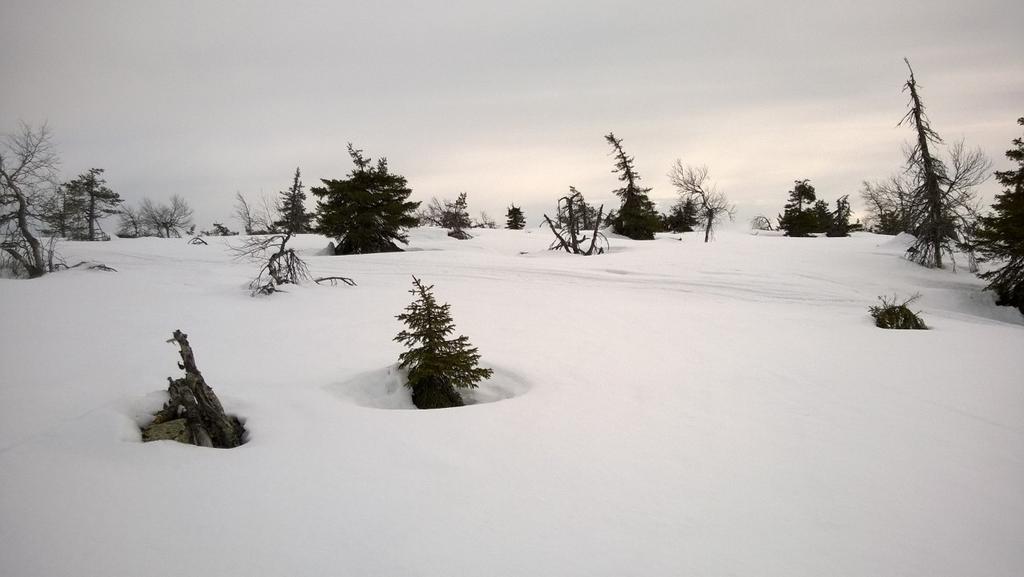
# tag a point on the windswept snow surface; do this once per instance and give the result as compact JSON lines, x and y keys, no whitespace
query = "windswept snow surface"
{"x":670,"y":408}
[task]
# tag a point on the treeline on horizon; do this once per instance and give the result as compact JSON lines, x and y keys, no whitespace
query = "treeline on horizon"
{"x":933,"y":198}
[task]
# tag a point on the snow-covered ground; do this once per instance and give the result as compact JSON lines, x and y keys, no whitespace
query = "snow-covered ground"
{"x":670,"y":408}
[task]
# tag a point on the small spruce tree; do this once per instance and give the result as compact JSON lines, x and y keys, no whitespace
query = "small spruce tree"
{"x":822,"y":216}
{"x":438,"y":366}
{"x":637,"y":218}
{"x":514,"y":219}
{"x":840,"y":219}
{"x":682,"y":217}
{"x":1000,"y":236}
{"x":459,"y":215}
{"x":93,"y":200}
{"x":63,"y":212}
{"x":798,"y":218}
{"x":294,"y":218}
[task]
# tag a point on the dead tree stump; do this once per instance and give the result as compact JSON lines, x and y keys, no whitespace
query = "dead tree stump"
{"x":194,"y":401}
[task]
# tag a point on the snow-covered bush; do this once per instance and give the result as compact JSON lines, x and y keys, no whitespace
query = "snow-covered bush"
{"x":896,"y":316}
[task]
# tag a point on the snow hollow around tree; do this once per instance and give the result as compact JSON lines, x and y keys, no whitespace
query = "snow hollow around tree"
{"x":668,"y":408}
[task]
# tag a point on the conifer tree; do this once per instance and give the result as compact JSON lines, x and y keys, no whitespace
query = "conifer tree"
{"x":1000,"y":236}
{"x":798,"y":218}
{"x":690,"y":216}
{"x":366,"y":212}
{"x":294,"y":218}
{"x":637,"y":217}
{"x":941,"y":199}
{"x":839,"y":224}
{"x":822,"y":216}
{"x":438,"y":366}
{"x":94,"y":199}
{"x":682,"y":217}
{"x":514,"y":219}
{"x":460,"y":214}
{"x":63,"y":212}
{"x":935,"y":230}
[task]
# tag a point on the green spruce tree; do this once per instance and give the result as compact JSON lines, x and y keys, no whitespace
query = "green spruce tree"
{"x":437,"y":365}
{"x":514,"y":219}
{"x":822,"y":216}
{"x":366,"y":212}
{"x":839,"y":224}
{"x":637,"y":218}
{"x":63,"y":212}
{"x":1000,"y":236}
{"x":94,"y":200}
{"x":682,"y":217}
{"x":459,"y":214}
{"x":294,"y":218}
{"x":798,"y":219}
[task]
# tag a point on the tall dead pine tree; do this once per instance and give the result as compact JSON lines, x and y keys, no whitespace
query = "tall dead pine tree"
{"x":936,"y":229}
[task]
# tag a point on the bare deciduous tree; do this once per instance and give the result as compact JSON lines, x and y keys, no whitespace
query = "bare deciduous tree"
{"x":28,"y":168}
{"x":243,"y":213}
{"x":130,"y":224}
{"x":484,"y":221}
{"x":712,"y":206}
{"x":269,"y":214}
{"x":761,"y":222}
{"x":888,"y":204}
{"x":967,"y":169}
{"x":450,"y":214}
{"x":166,"y":220}
{"x":257,"y":219}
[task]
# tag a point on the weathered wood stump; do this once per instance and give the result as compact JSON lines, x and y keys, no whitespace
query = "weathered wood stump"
{"x":193,"y":400}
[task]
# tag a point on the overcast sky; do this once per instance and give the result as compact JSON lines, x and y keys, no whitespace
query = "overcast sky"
{"x":507,"y":101}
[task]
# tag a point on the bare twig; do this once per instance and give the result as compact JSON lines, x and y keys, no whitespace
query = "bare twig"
{"x":334,"y":280}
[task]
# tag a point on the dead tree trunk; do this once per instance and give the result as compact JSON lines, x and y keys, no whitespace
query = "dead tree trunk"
{"x":192,"y":399}
{"x":569,"y":237}
{"x":933,"y":231}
